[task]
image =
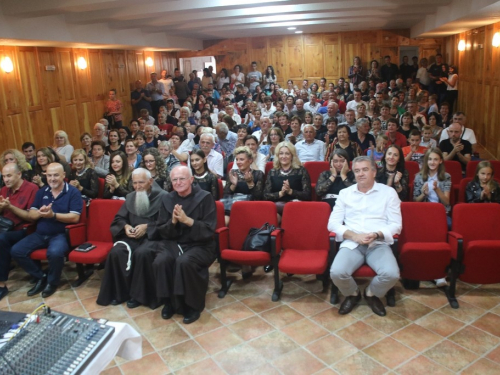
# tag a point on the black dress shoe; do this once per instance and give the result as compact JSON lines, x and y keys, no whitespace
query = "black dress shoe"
{"x":168,"y":311}
{"x":3,"y":292}
{"x":39,"y":286}
{"x":49,"y":290}
{"x":376,"y":305}
{"x":132,"y":304}
{"x":33,"y":280}
{"x":114,"y":302}
{"x":268,"y":268}
{"x":349,"y":303}
{"x":191,"y":316}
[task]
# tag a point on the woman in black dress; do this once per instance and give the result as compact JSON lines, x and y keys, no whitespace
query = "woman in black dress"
{"x":83,"y":176}
{"x":202,"y":175}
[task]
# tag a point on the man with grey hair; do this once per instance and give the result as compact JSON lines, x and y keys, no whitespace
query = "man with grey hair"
{"x":186,"y":224}
{"x":299,"y":110}
{"x":215,"y":160}
{"x":365,"y":218}
{"x":363,"y":136}
{"x":129,"y":274}
{"x":310,"y":149}
{"x":227,"y":139}
{"x":265,"y":126}
{"x":332,"y":110}
{"x":100,"y":133}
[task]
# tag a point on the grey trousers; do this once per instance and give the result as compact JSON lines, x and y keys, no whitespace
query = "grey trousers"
{"x":379,"y":257}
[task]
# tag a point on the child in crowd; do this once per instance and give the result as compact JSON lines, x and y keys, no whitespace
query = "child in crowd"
{"x":427,"y":140}
{"x":376,"y":127}
{"x":414,"y":152}
{"x":378,"y":152}
{"x":433,"y":107}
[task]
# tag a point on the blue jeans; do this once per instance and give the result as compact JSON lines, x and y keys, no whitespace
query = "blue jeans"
{"x":57,"y":247}
{"x":7,"y":240}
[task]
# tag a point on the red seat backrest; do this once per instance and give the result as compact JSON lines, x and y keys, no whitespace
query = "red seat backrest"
{"x":314,"y":168}
{"x":454,"y":168}
{"x":230,"y":166}
{"x":470,"y":170}
{"x":101,"y":214}
{"x":246,"y":215}
{"x":305,"y":225}
{"x":269,"y":166}
{"x":477,"y":221}
{"x":100,"y":192}
{"x":461,"y":190}
{"x":423,"y":222}
{"x":413,"y":168}
{"x":221,"y":189}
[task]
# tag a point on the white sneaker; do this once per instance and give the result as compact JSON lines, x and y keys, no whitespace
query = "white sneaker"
{"x":441,"y":282}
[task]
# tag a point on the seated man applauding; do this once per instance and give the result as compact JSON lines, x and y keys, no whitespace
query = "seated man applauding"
{"x":365,"y":218}
{"x":187,"y":222}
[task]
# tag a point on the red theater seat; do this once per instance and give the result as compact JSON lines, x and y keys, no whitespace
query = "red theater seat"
{"x":314,"y":168}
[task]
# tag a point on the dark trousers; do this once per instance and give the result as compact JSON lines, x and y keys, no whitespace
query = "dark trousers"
{"x":7,"y":240}
{"x":155,"y":106}
{"x":57,"y":247}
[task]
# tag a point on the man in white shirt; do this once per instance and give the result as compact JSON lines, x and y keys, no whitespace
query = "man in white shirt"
{"x":353,"y":104}
{"x":261,"y":135}
{"x":467,"y":134}
{"x":418,"y":119}
{"x":332,"y":110}
{"x":269,"y":109}
{"x":214,"y":159}
{"x":312,"y":105}
{"x":310,"y":149}
{"x":168,"y":83}
{"x":365,"y":218}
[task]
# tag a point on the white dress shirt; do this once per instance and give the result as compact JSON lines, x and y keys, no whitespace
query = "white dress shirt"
{"x":268,"y":112}
{"x":312,"y":109}
{"x":377,"y":210}
{"x":354,"y":105}
{"x":314,"y":151}
{"x":467,"y":135}
{"x":215,"y":163}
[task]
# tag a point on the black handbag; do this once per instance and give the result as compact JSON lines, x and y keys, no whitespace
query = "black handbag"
{"x":6,"y":224}
{"x":259,"y":239}
{"x":229,"y":201}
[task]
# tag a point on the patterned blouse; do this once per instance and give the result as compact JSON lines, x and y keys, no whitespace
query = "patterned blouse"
{"x":257,"y":191}
{"x":383,"y":176}
{"x":208,"y":182}
{"x":326,"y":188}
{"x":299,"y":181}
{"x":418,"y":185}
{"x":89,"y":182}
{"x":115,"y":106}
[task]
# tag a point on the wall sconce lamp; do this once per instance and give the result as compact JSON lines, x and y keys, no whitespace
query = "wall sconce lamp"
{"x":7,"y":65}
{"x":149,"y":61}
{"x":496,"y":40}
{"x":82,"y":63}
{"x":461,"y":45}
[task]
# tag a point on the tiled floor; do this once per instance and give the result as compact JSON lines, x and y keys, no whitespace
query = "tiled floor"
{"x":301,"y":334}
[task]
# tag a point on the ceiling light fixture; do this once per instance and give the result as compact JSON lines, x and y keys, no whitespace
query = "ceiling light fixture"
{"x":7,"y":65}
{"x":298,"y":32}
{"x":291,"y":28}
{"x":149,"y":61}
{"x":496,"y":40}
{"x":461,"y":45}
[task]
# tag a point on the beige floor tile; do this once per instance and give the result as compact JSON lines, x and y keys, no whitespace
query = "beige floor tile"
{"x":489,"y":323}
{"x":167,"y":335}
{"x":494,"y":355}
{"x":422,"y":365}
{"x":112,"y":371}
{"x":389,"y":352}
{"x":213,"y":301}
{"x":411,"y":309}
{"x":249,"y":329}
{"x":304,"y":331}
{"x":451,"y":355}
{"x":219,"y":340}
{"x":432,"y":297}
{"x":232,"y":313}
{"x":481,"y":298}
{"x":359,"y":364}
{"x":281,"y":316}
{"x":417,"y":337}
{"x":206,"y":366}
{"x":152,"y":362}
{"x":91,"y":305}
{"x":467,"y":313}
{"x":298,"y":362}
{"x":206,"y":323}
{"x":273,"y":345}
{"x":441,"y":324}
{"x":150,"y":320}
{"x":331,"y":349}
{"x":73,"y":308}
{"x":309,"y":305}
{"x":482,"y":367}
{"x":475,"y":340}
{"x":332,"y":320}
{"x":261,"y":303}
{"x":360,"y":335}
{"x":239,"y":359}
{"x":389,"y":324}
{"x":183,"y":354}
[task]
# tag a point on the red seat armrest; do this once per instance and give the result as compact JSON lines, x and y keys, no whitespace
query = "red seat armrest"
{"x":223,"y":235}
{"x":77,"y":234}
{"x":456,"y":242}
{"x":276,"y":237}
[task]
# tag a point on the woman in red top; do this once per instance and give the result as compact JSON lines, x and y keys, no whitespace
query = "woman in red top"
{"x":114,"y":108}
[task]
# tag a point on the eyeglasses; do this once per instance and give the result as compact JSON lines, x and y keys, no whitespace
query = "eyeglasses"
{"x":176,"y":180}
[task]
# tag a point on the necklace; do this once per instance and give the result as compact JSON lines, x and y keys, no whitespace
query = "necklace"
{"x":285,"y":171}
{"x":198,"y":175}
{"x":82,"y":172}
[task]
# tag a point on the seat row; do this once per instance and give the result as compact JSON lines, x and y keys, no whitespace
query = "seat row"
{"x":425,"y":249}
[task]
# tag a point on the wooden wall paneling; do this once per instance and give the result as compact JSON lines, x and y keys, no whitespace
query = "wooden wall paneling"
{"x":73,"y":127}
{"x":67,"y":76}
{"x":51,"y":85}
{"x":96,"y":67}
{"x":258,"y":53}
{"x":82,"y":76}
{"x":28,"y":72}
{"x":12,"y":89}
{"x":295,"y":58}
{"x":141,"y":67}
{"x":123,"y":85}
{"x":277,"y":58}
{"x":131,"y":66}
{"x":313,"y":57}
{"x":57,"y":121}
{"x":109,"y":74}
{"x":331,"y":62}
{"x":39,"y":132}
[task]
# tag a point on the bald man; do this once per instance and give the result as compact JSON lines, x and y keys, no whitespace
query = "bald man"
{"x":56,"y":205}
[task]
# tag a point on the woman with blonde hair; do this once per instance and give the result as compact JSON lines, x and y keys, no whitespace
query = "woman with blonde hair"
{"x":83,"y":176}
{"x":62,"y":146}
{"x":17,"y":157}
{"x":288,"y":179}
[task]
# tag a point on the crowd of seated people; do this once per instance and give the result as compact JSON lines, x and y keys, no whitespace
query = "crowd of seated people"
{"x":392,"y":114}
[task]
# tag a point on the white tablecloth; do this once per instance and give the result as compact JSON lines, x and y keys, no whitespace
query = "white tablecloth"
{"x":125,"y":342}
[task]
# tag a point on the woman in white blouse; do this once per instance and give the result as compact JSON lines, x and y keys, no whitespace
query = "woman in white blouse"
{"x":61,"y":145}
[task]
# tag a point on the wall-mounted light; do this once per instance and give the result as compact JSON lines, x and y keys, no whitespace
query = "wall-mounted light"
{"x":149,"y":61}
{"x":496,"y":40}
{"x":291,"y":28}
{"x":82,"y":63}
{"x":461,"y":45}
{"x":7,"y":65}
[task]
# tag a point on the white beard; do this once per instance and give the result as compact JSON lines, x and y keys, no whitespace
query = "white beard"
{"x":141,"y":203}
